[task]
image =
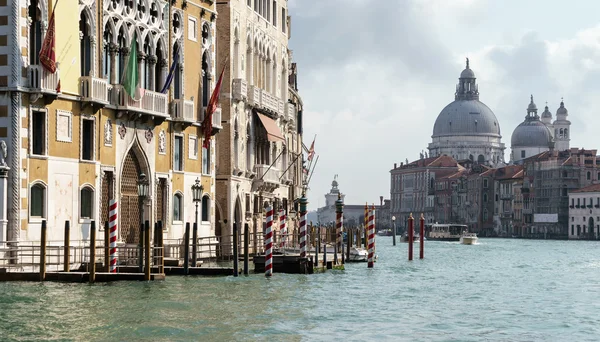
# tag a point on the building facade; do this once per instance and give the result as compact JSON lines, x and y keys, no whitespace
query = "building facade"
{"x":260,"y":148}
{"x":71,"y":151}
{"x":584,"y":213}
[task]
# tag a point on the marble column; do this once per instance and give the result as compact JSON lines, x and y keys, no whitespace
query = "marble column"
{"x":151,"y":73}
{"x":3,"y":205}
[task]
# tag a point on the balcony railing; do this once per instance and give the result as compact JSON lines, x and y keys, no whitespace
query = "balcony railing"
{"x":93,"y":89}
{"x":254,"y":96}
{"x":216,"y":120}
{"x":281,"y":108}
{"x":240,"y":89}
{"x":266,"y":174}
{"x":42,"y":80}
{"x":152,"y":103}
{"x":183,"y":110}
{"x":269,"y":102}
{"x":290,"y":111}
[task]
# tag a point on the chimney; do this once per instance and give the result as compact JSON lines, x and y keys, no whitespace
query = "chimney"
{"x":395,"y":165}
{"x":381,"y":201}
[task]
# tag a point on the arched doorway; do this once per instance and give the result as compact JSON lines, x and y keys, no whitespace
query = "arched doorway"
{"x":237,"y":220}
{"x":591,"y":228}
{"x":130,"y":204}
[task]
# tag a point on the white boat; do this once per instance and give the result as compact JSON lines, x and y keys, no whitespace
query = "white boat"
{"x":468,"y":238}
{"x":444,"y":231}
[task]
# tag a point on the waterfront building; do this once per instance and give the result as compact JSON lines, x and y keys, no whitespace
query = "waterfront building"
{"x":584,"y":213}
{"x":506,"y":180}
{"x":260,"y":148}
{"x":72,"y":149}
{"x":467,"y":128}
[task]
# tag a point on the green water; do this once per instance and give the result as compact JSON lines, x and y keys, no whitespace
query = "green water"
{"x":499,"y":290}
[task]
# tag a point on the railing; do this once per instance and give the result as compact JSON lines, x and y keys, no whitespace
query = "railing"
{"x":240,"y":89}
{"x":269,"y":101}
{"x":93,"y":89}
{"x":151,"y":102}
{"x":41,"y":79}
{"x":254,"y":96}
{"x":216,"y":119}
{"x":183,"y":110}
{"x":267,"y":174}
{"x":281,"y":108}
{"x":290,"y":112}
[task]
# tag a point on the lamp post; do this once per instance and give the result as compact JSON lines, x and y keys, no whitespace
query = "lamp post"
{"x":143,"y":189}
{"x":197,"y":190}
{"x":394,"y":228}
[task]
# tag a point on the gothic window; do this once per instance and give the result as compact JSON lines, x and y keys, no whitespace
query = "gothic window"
{"x":158,"y":77}
{"x":85,"y":42}
{"x":86,"y":204}
{"x":205,"y":80}
{"x":236,"y":142}
{"x":206,"y":160}
{"x":177,"y":207}
{"x":106,"y":62}
{"x":205,"y":208}
{"x":38,"y":201}
{"x":153,"y":13}
{"x":122,"y":60}
{"x":178,"y":86}
{"x":35,"y":32}
{"x":145,"y":76}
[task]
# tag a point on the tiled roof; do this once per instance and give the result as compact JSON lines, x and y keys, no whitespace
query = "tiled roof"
{"x":589,"y":188}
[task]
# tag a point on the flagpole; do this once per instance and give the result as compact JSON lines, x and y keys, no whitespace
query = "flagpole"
{"x":313,"y":171}
{"x":297,"y":156}
{"x":273,"y":163}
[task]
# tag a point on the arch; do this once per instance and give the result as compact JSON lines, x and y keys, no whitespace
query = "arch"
{"x":38,"y":199}
{"x":205,"y":212}
{"x":205,"y":78}
{"x":178,"y":206}
{"x":481,"y":159}
{"x":86,"y":201}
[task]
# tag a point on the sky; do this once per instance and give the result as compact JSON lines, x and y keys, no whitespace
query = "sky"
{"x":375,"y":74}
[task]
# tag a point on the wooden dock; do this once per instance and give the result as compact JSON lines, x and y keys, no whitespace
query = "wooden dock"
{"x":294,"y":264}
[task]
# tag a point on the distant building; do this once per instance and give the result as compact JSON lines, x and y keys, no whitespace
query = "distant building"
{"x":584,"y":213}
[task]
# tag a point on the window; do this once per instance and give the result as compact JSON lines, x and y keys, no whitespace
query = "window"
{"x":522,"y":153}
{"x":193,"y":147}
{"x":248,"y":203}
{"x":205,"y":80}
{"x":86,"y":203}
{"x":37,"y":201}
{"x":205,"y":208}
{"x":572,"y":230}
{"x":38,"y":133}
{"x":589,"y":175}
{"x":206,"y":160}
{"x":177,"y":207}
{"x":35,"y":32}
{"x":485,"y":198}
{"x":178,"y":153}
{"x":249,"y":3}
{"x":106,"y":58}
{"x":485,"y":183}
{"x":85,"y":42}
{"x":192,"y":28}
{"x":485,"y":215}
{"x":87,"y":139}
{"x":283,"y":20}
{"x":178,"y":87}
{"x":274,"y":13}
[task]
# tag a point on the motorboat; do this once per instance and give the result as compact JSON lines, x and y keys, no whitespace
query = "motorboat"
{"x":468,"y":238}
{"x":416,"y":238}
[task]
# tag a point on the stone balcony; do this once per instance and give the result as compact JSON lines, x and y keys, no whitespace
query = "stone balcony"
{"x":290,"y":112}
{"x":240,"y":89}
{"x":216,"y":121}
{"x":269,"y":102}
{"x":93,"y":90}
{"x":151,"y":103}
{"x":41,"y":80}
{"x":183,"y":111}
{"x":254,"y":96}
{"x":267,"y":179}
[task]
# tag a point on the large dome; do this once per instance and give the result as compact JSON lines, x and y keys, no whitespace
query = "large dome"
{"x":466,"y":117}
{"x":531,"y":133}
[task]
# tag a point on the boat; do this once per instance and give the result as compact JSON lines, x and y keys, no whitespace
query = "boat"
{"x":445,"y":231}
{"x":416,"y":238}
{"x":468,"y":238}
{"x":385,"y":232}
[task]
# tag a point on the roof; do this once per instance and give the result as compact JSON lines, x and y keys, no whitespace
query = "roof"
{"x":466,"y":117}
{"x":589,"y":188}
{"x":439,"y":161}
{"x":531,"y":133}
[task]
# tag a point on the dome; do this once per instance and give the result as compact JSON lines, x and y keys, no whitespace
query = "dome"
{"x":467,"y":73}
{"x":562,"y":109}
{"x":531,"y":133}
{"x":466,"y":117}
{"x":546,"y":114}
{"x":532,"y":106}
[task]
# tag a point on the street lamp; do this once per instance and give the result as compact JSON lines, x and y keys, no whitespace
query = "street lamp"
{"x":394,"y":228}
{"x":197,"y":190}
{"x":143,"y":190}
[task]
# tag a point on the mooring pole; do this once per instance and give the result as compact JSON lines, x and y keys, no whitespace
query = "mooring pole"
{"x":246,"y":248}
{"x":339,"y":224}
{"x":422,"y":237}
{"x":194,"y":243}
{"x":161,"y":245}
{"x":92,"y":261}
{"x":186,"y":249}
{"x":148,"y":250}
{"x":141,"y":247}
{"x":43,"y":252}
{"x":236,"y":244}
{"x":411,"y":232}
{"x":67,"y":248}
{"x":303,"y":203}
{"x":106,"y":247}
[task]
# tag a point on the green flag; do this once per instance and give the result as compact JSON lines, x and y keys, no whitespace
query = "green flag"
{"x":131,"y":78}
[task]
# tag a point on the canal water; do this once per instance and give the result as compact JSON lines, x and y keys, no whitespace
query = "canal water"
{"x":499,"y":290}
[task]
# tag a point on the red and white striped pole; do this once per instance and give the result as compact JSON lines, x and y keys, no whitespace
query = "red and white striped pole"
{"x":371,"y":232}
{"x":303,"y":203}
{"x":269,"y":242}
{"x":112,"y":228}
{"x":282,"y":228}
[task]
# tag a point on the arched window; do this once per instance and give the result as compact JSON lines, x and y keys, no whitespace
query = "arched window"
{"x":85,"y":45}
{"x":106,"y":62}
{"x":566,"y":134}
{"x":159,"y":81}
{"x":205,"y":208}
{"x":146,"y":65}
{"x":249,"y":148}
{"x":122,"y":60}
{"x":178,"y":86}
{"x":481,"y":159}
{"x":86,"y":203}
{"x":205,"y":80}
{"x":35,"y":32}
{"x":37,"y":199}
{"x":177,"y":207}
{"x":589,"y":175}
{"x":236,"y":143}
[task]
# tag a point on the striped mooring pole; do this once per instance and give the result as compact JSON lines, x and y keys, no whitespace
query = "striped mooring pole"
{"x":303,"y":203}
{"x":112,"y":227}
{"x":282,"y":228}
{"x":339,"y":222}
{"x":371,"y":230}
{"x":269,"y":242}
{"x":366,"y":226}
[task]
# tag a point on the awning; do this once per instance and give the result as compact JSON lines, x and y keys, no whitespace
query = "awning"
{"x":273,"y":131}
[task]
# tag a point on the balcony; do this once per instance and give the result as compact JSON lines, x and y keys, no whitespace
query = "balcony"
{"x":281,"y":108}
{"x":93,"y":90}
{"x":267,"y":178}
{"x":216,"y":121}
{"x":151,"y":103}
{"x":183,"y":111}
{"x":240,"y":89}
{"x":254,"y":96}
{"x":41,"y":80}
{"x":290,"y":112}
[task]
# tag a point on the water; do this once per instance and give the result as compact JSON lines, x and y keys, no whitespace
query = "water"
{"x":499,"y":290}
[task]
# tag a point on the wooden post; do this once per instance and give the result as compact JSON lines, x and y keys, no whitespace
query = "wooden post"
{"x":194,"y":244}
{"x":106,"y":247}
{"x":317,"y":245}
{"x":92,"y":261}
{"x":67,"y":248}
{"x":43,"y":252}
{"x":186,"y":249}
{"x":235,"y":250}
{"x":141,"y":248}
{"x":162,"y":246}
{"x":148,"y":251}
{"x":411,"y":232}
{"x":348,"y":244}
{"x":325,"y":251}
{"x":246,"y":248}
{"x":422,"y":237}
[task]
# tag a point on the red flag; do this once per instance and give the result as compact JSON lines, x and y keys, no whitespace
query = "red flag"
{"x":47,"y":54}
{"x":210,"y":109}
{"x":311,"y":151}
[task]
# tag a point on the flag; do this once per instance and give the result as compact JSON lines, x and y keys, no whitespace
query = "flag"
{"x":131,"y":77}
{"x":210,"y":109}
{"x":171,"y":75}
{"x":311,"y":150}
{"x":47,"y":52}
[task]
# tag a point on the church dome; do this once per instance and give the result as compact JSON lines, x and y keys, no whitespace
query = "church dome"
{"x":531,"y":133}
{"x":467,"y":73}
{"x":546,"y":114}
{"x":562,"y":109}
